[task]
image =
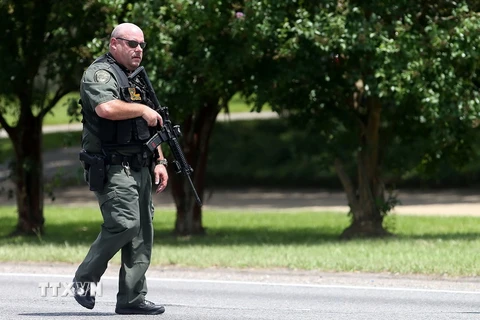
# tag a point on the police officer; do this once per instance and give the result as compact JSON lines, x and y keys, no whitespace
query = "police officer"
{"x":117,"y":121}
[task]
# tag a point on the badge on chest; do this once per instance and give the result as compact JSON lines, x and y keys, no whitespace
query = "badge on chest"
{"x":134,"y":96}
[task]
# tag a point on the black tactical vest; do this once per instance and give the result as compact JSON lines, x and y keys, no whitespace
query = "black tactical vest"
{"x":119,"y":133}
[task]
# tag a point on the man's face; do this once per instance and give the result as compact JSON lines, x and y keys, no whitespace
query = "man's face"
{"x":124,"y":50}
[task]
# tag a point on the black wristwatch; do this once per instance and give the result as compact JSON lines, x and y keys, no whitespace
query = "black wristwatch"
{"x":161,"y":161}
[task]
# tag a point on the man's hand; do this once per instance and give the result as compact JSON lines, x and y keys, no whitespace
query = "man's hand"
{"x":152,"y":117}
{"x":161,"y":177}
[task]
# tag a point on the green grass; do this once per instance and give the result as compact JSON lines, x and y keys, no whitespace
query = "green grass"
{"x":237,"y":104}
{"x":59,"y":114}
{"x":306,"y":241}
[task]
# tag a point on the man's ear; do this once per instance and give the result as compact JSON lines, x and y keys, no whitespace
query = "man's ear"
{"x":113,"y":43}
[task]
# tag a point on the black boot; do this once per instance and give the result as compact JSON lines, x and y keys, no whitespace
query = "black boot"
{"x":146,"y":307}
{"x":82,"y":295}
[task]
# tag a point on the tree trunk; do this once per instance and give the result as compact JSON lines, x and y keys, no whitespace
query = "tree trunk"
{"x":28,"y":175}
{"x":367,"y":197}
{"x":196,"y":137}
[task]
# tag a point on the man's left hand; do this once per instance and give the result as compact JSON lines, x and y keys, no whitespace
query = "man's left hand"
{"x":160,"y":175}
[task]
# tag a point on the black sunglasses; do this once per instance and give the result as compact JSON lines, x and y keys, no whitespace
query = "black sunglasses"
{"x":133,"y":44}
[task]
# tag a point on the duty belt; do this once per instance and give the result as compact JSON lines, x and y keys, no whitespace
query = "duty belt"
{"x":135,"y":161}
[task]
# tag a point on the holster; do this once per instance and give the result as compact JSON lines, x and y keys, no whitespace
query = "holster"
{"x":96,"y":168}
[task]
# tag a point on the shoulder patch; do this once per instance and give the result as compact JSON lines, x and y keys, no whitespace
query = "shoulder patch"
{"x":102,"y":76}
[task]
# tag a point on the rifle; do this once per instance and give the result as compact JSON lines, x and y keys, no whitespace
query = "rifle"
{"x":167,"y":133}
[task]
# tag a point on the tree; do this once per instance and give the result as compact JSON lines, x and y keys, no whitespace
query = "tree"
{"x":44,"y":49}
{"x":369,"y":78}
{"x":197,"y":63}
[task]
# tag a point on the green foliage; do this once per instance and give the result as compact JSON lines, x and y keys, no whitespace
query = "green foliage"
{"x":44,"y":49}
{"x":267,"y":153}
{"x":273,"y":153}
{"x":320,"y":62}
{"x":194,"y":56}
{"x":419,"y":60}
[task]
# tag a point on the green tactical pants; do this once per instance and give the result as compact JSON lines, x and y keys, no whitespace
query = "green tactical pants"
{"x":127,"y":210}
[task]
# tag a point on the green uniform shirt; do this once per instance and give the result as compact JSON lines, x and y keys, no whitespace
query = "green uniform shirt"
{"x":98,"y":85}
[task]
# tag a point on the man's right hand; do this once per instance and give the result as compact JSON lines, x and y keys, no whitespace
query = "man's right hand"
{"x":152,"y":117}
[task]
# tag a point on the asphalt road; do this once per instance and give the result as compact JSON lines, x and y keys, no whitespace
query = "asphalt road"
{"x":187,"y":298}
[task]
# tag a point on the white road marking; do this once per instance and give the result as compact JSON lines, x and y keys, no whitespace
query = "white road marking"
{"x":320,"y":286}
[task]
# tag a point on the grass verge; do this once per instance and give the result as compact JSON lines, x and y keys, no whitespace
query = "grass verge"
{"x":306,"y":240}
